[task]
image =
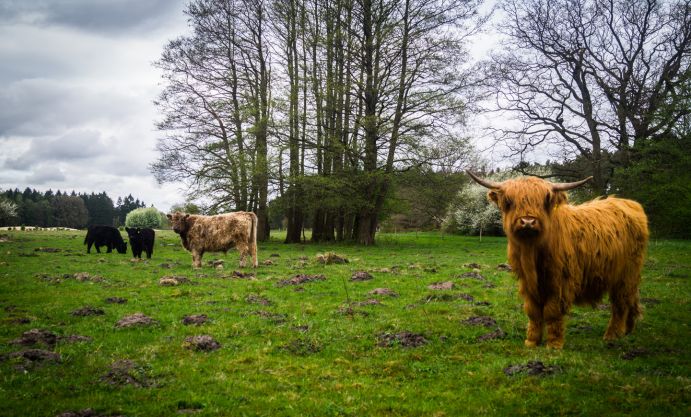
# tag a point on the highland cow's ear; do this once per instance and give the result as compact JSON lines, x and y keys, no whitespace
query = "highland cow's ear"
{"x":169,"y":216}
{"x":493,"y":196}
{"x":554,"y":199}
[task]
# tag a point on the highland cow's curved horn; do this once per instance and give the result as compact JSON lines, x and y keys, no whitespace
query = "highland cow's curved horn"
{"x":565,"y":186}
{"x":485,"y":183}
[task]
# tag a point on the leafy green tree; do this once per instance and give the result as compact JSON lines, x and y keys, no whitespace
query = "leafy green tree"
{"x":70,"y":211}
{"x":100,"y":207}
{"x":144,"y":217}
{"x":659,"y":177}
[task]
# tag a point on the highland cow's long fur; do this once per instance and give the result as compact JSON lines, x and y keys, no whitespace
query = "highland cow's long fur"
{"x":564,"y":254}
{"x":218,"y":233}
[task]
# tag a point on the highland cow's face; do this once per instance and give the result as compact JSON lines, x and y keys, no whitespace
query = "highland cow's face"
{"x":526,"y":206}
{"x":122,"y":248}
{"x":178,"y":222}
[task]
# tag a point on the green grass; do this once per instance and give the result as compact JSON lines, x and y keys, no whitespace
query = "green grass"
{"x":269,"y":365}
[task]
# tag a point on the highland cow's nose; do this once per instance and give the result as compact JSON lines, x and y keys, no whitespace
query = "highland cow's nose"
{"x":527,"y":222}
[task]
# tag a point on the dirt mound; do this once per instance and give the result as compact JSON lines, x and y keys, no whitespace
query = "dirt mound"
{"x":35,"y":356}
{"x":361,"y":276}
{"x":301,"y":279}
{"x":85,"y":276}
{"x":634,"y":353}
{"x":473,"y":275}
{"x":368,"y":302}
{"x":196,"y":319}
{"x":448,"y":285}
{"x":472,"y":265}
{"x":497,"y":334}
{"x":36,"y":336}
{"x":48,"y":250}
{"x":504,"y":267}
{"x":173,"y":281}
{"x":88,"y":311}
{"x":116,"y":300}
{"x":267,"y":262}
{"x":303,"y":346}
{"x":404,"y":339}
{"x":485,"y":321}
{"x":383,"y":291}
{"x":75,"y":338}
{"x":329,"y":258}
{"x":216,"y":263}
{"x":274,"y":255}
{"x":647,"y":301}
{"x":258,"y":299}
{"x":136,"y":319}
{"x":126,"y":372}
{"x":201,"y":343}
{"x":240,"y":275}
{"x":534,"y":368}
{"x":276,"y":318}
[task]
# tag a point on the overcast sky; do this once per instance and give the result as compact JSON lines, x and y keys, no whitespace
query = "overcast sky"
{"x":76,"y":92}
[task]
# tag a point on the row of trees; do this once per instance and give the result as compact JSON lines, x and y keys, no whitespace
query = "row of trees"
{"x":322,"y":106}
{"x":63,"y":209}
{"x":316,"y":103}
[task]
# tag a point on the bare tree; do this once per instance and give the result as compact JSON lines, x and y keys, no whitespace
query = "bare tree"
{"x":589,"y":76}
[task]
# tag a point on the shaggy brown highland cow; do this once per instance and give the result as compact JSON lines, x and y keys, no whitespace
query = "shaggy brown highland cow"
{"x":219,"y":233}
{"x":564,"y":254}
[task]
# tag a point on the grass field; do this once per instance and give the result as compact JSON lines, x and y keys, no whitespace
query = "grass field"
{"x":324,"y":347}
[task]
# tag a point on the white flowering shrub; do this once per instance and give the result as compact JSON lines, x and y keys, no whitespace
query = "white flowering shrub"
{"x":143,"y":217}
{"x":8,"y":210}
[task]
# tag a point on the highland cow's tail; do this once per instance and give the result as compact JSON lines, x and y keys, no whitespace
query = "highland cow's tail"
{"x":253,"y":240}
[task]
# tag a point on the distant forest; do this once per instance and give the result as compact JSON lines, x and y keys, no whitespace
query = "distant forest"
{"x":66,"y":209}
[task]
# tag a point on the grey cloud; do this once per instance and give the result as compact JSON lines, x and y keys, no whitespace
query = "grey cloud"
{"x":45,"y":174}
{"x":43,"y":107}
{"x":110,"y":16}
{"x":81,"y":144}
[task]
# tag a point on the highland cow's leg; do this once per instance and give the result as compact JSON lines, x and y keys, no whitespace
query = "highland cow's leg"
{"x":620,"y":313}
{"x":243,"y":252}
{"x":554,"y":319}
{"x":197,"y":258}
{"x":535,"y":323}
{"x":253,"y":253}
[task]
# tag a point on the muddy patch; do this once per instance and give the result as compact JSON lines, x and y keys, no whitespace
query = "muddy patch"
{"x":301,"y":279}
{"x":86,"y":277}
{"x":173,"y":281}
{"x":533,"y":368}
{"x":361,"y":276}
{"x":201,"y":343}
{"x":116,"y":300}
{"x":257,"y":299}
{"x":126,"y":372}
{"x":330,"y":258}
{"x":472,"y":265}
{"x":349,"y":311}
{"x":403,"y":339}
{"x":447,"y":285}
{"x":195,"y":319}
{"x":485,"y":321}
{"x":32,"y":358}
{"x":497,"y":334}
{"x":88,"y":311}
{"x":87,"y":412}
{"x":239,"y":275}
{"x":303,"y":346}
{"x":304,"y":328}
{"x":79,"y":276}
{"x":135,"y":320}
{"x":648,"y":302}
{"x":634,"y":353}
{"x":383,"y":291}
{"x":504,"y":268}
{"x":36,"y":337}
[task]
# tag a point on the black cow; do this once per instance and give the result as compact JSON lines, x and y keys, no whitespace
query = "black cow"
{"x":141,"y":239}
{"x":104,"y":236}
